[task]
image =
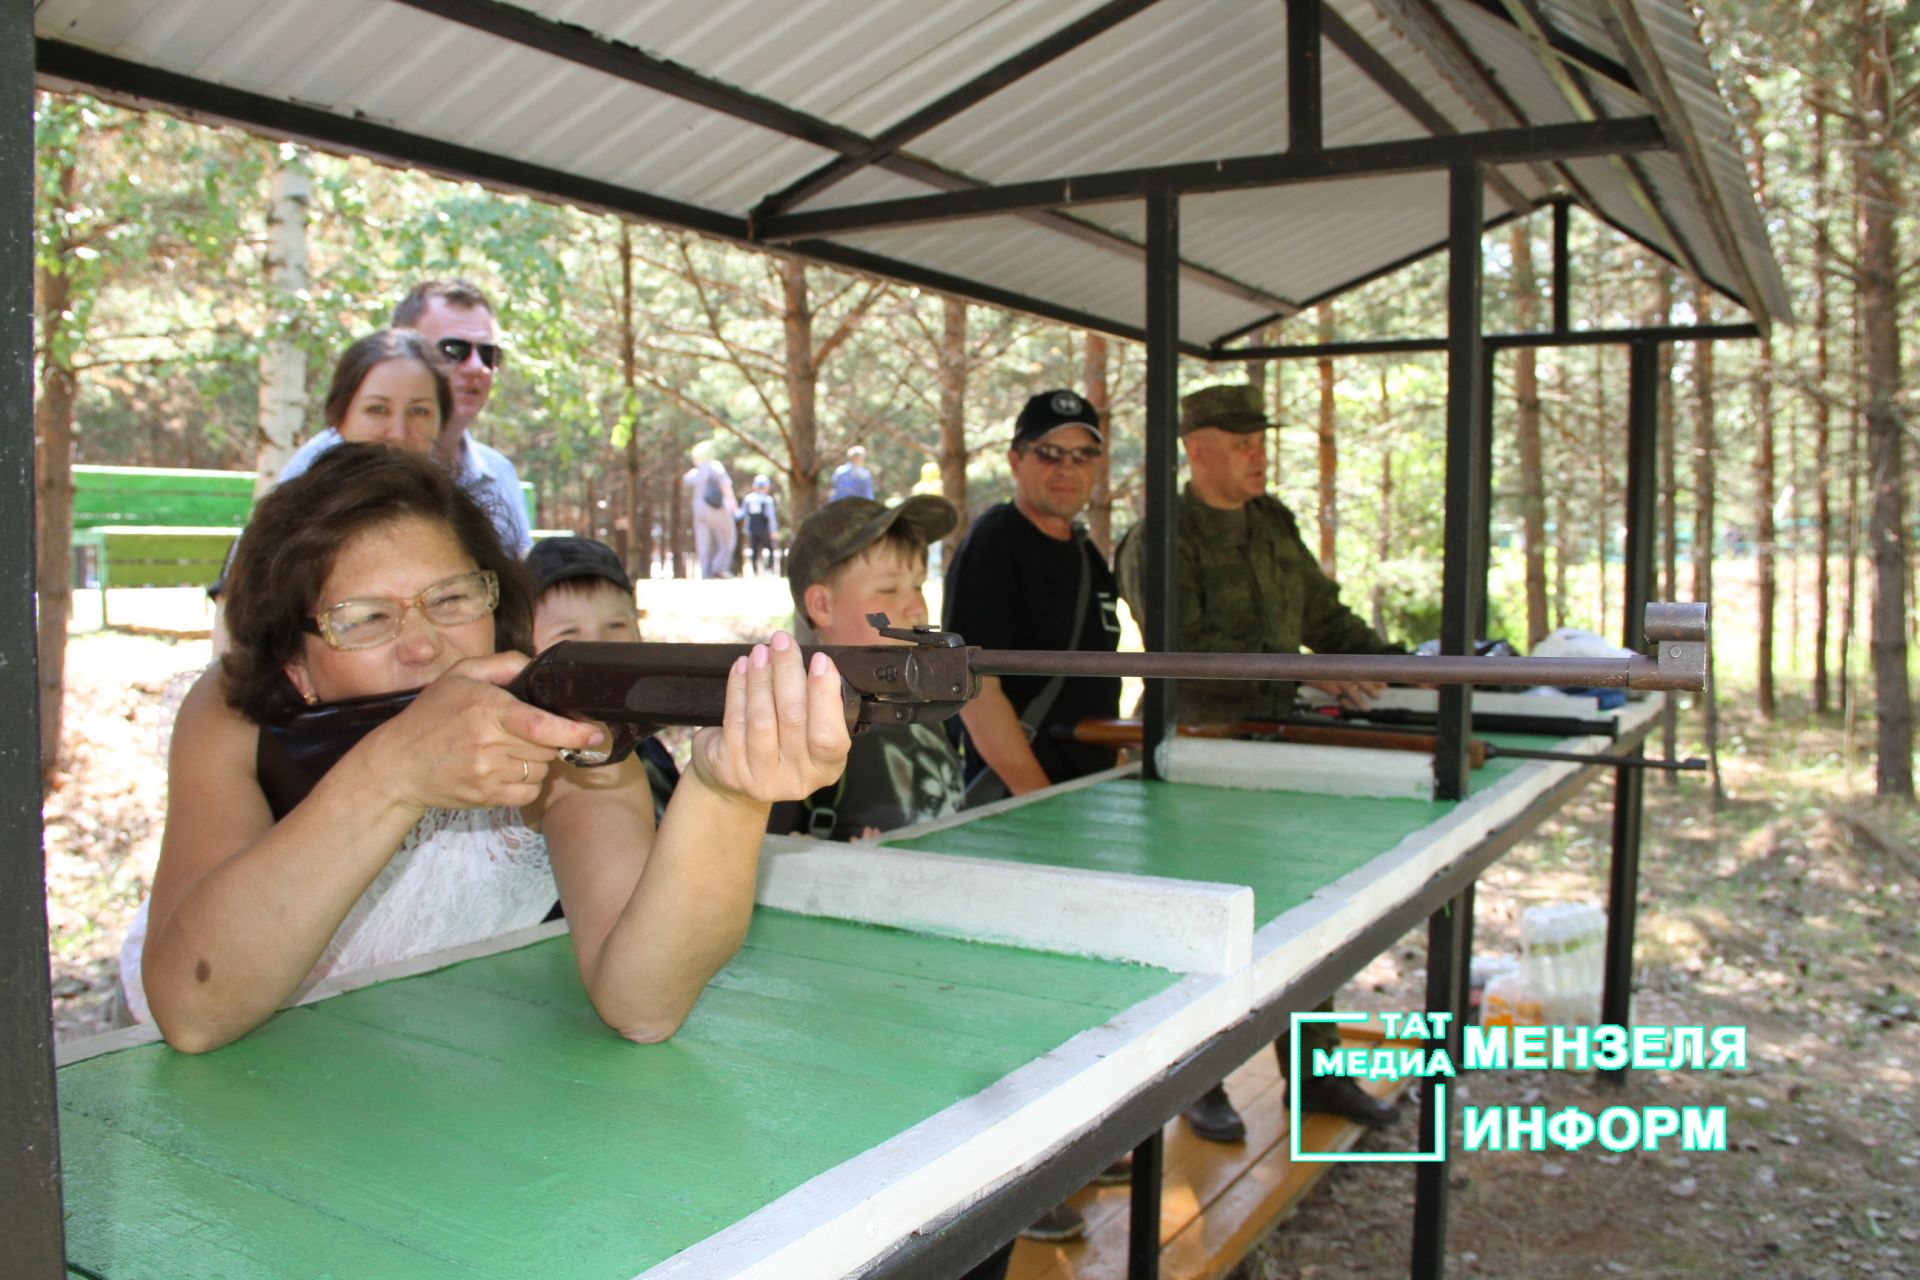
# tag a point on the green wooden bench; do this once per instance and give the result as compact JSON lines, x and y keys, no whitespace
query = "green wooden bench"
{"x":154,"y":526}
{"x":162,"y":526}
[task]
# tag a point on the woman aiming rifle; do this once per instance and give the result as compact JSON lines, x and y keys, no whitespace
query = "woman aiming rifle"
{"x":373,"y":573}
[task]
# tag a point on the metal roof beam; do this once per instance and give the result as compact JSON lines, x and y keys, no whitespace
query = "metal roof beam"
{"x":1584,"y":56}
{"x":588,"y":49}
{"x":1217,"y":349}
{"x":1532,"y":24}
{"x":1412,"y":155}
{"x":142,"y":86}
{"x":1495,"y":341}
{"x":1303,"y":75}
{"x":938,"y":112}
{"x":939,"y":281}
{"x":1374,"y":65}
{"x":1624,"y":24}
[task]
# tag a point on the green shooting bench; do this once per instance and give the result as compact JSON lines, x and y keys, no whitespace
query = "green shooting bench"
{"x":154,"y":526}
{"x":162,"y":526}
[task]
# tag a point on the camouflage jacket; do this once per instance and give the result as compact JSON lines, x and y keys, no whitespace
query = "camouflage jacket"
{"x":1260,"y":591}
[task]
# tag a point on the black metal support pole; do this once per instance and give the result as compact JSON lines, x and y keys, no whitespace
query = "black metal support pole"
{"x":1562,"y":295}
{"x":1303,"y":75}
{"x":1163,"y":385}
{"x":1448,"y":930}
{"x":1629,"y":785}
{"x":30,"y":1213}
{"x":1462,"y":583}
{"x":1143,"y":1211}
{"x":1483,"y":551}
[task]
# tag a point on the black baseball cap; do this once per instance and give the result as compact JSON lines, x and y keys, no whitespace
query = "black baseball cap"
{"x":1049,"y":411}
{"x":557,"y":560}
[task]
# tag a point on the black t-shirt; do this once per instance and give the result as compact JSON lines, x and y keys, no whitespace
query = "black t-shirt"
{"x":1013,"y":587}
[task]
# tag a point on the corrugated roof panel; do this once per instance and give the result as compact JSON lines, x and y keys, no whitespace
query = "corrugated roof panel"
{"x":1186,"y":79}
{"x":1183,"y":80}
{"x":1015,"y":255}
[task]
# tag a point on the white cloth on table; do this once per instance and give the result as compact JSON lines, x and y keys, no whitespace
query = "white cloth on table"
{"x":460,"y":876}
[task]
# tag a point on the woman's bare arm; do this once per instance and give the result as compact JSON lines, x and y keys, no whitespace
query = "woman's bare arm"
{"x":652,"y":922}
{"x":243,"y":907}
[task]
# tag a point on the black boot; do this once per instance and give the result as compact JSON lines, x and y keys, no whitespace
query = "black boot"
{"x":1214,"y":1119}
{"x":1336,"y":1095}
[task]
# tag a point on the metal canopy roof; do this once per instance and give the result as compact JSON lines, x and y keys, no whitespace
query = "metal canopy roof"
{"x":781,"y":122}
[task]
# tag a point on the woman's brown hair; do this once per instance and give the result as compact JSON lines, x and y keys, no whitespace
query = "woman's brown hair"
{"x":296,"y":534}
{"x":360,"y":359}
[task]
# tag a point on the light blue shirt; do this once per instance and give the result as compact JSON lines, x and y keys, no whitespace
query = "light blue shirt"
{"x":850,"y":481}
{"x":483,"y":471}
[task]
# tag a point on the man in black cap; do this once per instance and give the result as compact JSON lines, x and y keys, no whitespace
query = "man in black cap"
{"x":1027,"y":577}
{"x":1246,"y":583}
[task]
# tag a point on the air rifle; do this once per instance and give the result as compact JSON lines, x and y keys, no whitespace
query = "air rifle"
{"x":637,"y":689}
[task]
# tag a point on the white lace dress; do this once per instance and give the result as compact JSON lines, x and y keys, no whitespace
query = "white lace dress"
{"x":460,"y":876}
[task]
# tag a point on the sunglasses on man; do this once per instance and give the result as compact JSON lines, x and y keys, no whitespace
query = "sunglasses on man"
{"x":456,"y":350}
{"x":1052,"y":455}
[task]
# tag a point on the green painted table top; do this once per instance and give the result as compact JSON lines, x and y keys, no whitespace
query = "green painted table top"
{"x":480,"y":1121}
{"x":1284,"y":844}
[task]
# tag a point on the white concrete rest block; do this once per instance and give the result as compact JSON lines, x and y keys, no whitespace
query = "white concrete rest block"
{"x":1187,"y":926}
{"x":1291,"y":766}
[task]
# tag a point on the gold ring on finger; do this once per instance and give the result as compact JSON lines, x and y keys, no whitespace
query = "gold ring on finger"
{"x":526,"y":771}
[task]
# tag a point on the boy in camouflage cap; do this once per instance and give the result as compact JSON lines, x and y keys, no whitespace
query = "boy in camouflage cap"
{"x":848,"y":559}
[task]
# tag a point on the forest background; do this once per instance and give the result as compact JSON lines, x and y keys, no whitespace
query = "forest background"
{"x":195,"y":285}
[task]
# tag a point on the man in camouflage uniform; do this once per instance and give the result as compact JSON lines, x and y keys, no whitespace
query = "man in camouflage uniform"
{"x":1246,"y":583}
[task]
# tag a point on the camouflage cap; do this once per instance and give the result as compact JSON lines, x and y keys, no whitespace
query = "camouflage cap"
{"x":841,"y":530}
{"x":1230,"y":407}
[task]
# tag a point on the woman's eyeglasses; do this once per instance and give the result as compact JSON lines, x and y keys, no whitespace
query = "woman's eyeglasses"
{"x":1053,"y":455}
{"x":374,"y":620}
{"x":458,"y":349}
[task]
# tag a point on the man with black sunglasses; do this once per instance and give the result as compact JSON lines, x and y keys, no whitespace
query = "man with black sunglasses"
{"x":1028,"y":577}
{"x":457,"y":321}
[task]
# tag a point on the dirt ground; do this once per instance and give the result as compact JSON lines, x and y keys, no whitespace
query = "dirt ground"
{"x":1789,"y":911}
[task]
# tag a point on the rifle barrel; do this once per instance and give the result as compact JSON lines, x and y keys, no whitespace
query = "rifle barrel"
{"x":1635,"y":672}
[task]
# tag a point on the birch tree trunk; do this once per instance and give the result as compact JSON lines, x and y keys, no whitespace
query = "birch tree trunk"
{"x":283,"y":360}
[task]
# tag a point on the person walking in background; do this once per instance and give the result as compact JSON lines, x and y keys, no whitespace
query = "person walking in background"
{"x":851,"y":479}
{"x":758,"y":518}
{"x":714,"y":509}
